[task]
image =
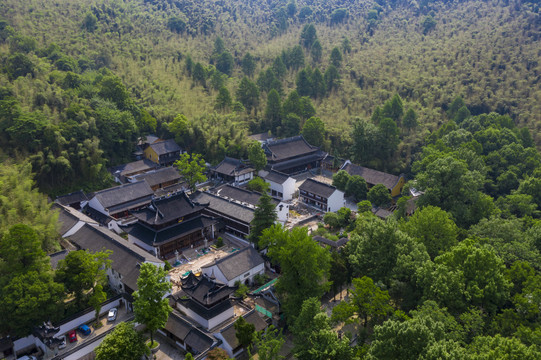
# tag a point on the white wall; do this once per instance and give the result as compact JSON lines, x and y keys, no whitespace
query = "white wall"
{"x":142,"y":244}
{"x":289,"y":188}
{"x":335,"y":201}
{"x":224,"y":345}
{"x":282,"y":215}
{"x":217,"y":273}
{"x":249,"y":275}
{"x":210,"y":323}
{"x":96,"y":205}
{"x":74,"y":229}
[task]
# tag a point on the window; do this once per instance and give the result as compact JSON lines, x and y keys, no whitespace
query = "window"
{"x":246,"y":275}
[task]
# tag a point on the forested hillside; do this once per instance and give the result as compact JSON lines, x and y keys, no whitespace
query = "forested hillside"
{"x":217,"y":62}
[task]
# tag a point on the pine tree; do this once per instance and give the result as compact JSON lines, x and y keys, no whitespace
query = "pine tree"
{"x":264,"y":217}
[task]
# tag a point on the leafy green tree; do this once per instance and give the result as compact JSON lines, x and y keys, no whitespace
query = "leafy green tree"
{"x":333,"y":220}
{"x":428,"y":24}
{"x":291,"y":125}
{"x":257,"y":156}
{"x":192,"y":169}
{"x":339,"y":273}
{"x":316,"y":51}
{"x":223,"y":99}
{"x":389,"y":137}
{"x":346,"y":45}
{"x":248,"y":94}
{"x":28,"y":299}
{"x":308,"y":36}
{"x":225,"y":63}
{"x":20,"y":252}
{"x":219,"y":46}
{"x":245,"y":332}
{"x":305,"y":12}
{"x":366,"y":301}
{"x":379,"y":195}
{"x":176,"y":24}
{"x":499,"y":347}
{"x":273,"y":111}
{"x":338,"y":16}
{"x":365,"y":137}
{"x":295,"y":58}
{"x":307,"y":108}
{"x":150,"y":305}
{"x":124,"y":343}
{"x":336,"y":57}
{"x":356,"y":187}
{"x":90,"y":22}
{"x":462,"y":114}
{"x":248,"y":64}
{"x":364,"y":206}
{"x":258,"y":184}
{"x":189,"y":356}
{"x":434,"y":228}
{"x":269,"y":344}
{"x":293,"y":105}
{"x":19,"y":64}
{"x":264,"y":217}
{"x":340,"y":180}
{"x":112,"y":89}
{"x":531,"y":186}
{"x":394,"y":109}
{"x":313,"y":131}
{"x":278,"y":67}
{"x":199,"y":74}
{"x":319,"y":88}
{"x":332,"y":78}
{"x":304,"y":82}
{"x":457,"y":103}
{"x":96,"y":299}
{"x":82,"y":271}
{"x":217,"y":354}
{"x":304,"y":264}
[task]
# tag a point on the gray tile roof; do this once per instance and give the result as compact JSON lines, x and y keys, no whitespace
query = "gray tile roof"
{"x":372,"y":177}
{"x":232,"y":167}
{"x":276,"y":177}
{"x":188,"y":333}
{"x":156,"y":237}
{"x":165,"y":147}
{"x":126,"y":258}
{"x":68,"y":217}
{"x":131,"y":195}
{"x":331,"y":243}
{"x":160,"y":176}
{"x":133,"y":168}
{"x":56,"y":257}
{"x":238,"y":263}
{"x":231,"y":192}
{"x":165,"y":210}
{"x":284,"y":149}
{"x":225,"y":207}
{"x":318,"y":188}
{"x":72,"y":198}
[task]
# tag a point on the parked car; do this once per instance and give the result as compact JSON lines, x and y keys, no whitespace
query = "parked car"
{"x":84,"y":329}
{"x":27,"y":357}
{"x":62,"y":344}
{"x":112,"y":314}
{"x":72,"y":336}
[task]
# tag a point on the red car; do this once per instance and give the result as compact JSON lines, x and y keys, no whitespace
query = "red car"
{"x":72,"y":336}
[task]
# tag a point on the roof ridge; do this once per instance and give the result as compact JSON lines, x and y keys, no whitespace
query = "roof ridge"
{"x":119,"y":186}
{"x":321,"y":182}
{"x":122,"y":245}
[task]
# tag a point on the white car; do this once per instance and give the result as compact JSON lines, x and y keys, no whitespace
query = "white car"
{"x":27,"y":357}
{"x":112,"y":314}
{"x":62,"y":345}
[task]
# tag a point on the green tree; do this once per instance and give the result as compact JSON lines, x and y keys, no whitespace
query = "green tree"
{"x":428,"y":24}
{"x":176,"y":24}
{"x":199,"y":74}
{"x":273,"y":111}
{"x":434,"y":228}
{"x":313,"y":131}
{"x":223,"y":99}
{"x":366,"y":301}
{"x":365,"y":137}
{"x":259,"y":185}
{"x":192,"y":169}
{"x":293,"y":105}
{"x":248,"y":64}
{"x":264,"y":217}
{"x":454,"y":107}
{"x":336,"y":57}
{"x":332,"y":78}
{"x":305,"y":266}
{"x":356,"y":187}
{"x":90,"y":22}
{"x":219,"y":46}
{"x":150,"y":305}
{"x":19,"y":64}
{"x":82,"y":271}
{"x":319,"y":88}
{"x":278,"y":67}
{"x":96,"y":299}
{"x":340,"y":180}
{"x":379,"y":195}
{"x":291,"y":125}
{"x":394,"y":108}
{"x":333,"y":220}
{"x":410,"y":119}
{"x":316,"y":51}
{"x":29,"y":299}
{"x":499,"y":347}
{"x":308,"y":36}
{"x":338,"y":16}
{"x":364,"y":206}
{"x":389,"y":137}
{"x":124,"y":343}
{"x":248,"y":94}
{"x":256,"y":156}
{"x":225,"y":63}
{"x":245,"y":332}
{"x":304,"y":82}
{"x":269,"y":344}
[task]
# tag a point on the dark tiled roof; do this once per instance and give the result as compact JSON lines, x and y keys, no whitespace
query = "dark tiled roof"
{"x":188,"y":333}
{"x":232,"y":167}
{"x":276,"y":177}
{"x":331,"y":243}
{"x":260,"y":137}
{"x":126,"y":258}
{"x":230,"y":334}
{"x":153,"y":237}
{"x":284,"y":149}
{"x":160,"y":176}
{"x":72,"y":198}
{"x":382,"y":213}
{"x":231,"y":192}
{"x":207,"y":292}
{"x":295,"y":162}
{"x":238,"y":263}
{"x":372,"y":177}
{"x":56,"y":257}
{"x":131,"y":195}
{"x":133,"y":168}
{"x":148,"y":139}
{"x":228,"y":208}
{"x":162,"y":211}
{"x":318,"y":188}
{"x":68,"y":217}
{"x":165,"y":147}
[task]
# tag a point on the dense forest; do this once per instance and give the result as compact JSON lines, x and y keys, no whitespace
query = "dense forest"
{"x":447,"y":92}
